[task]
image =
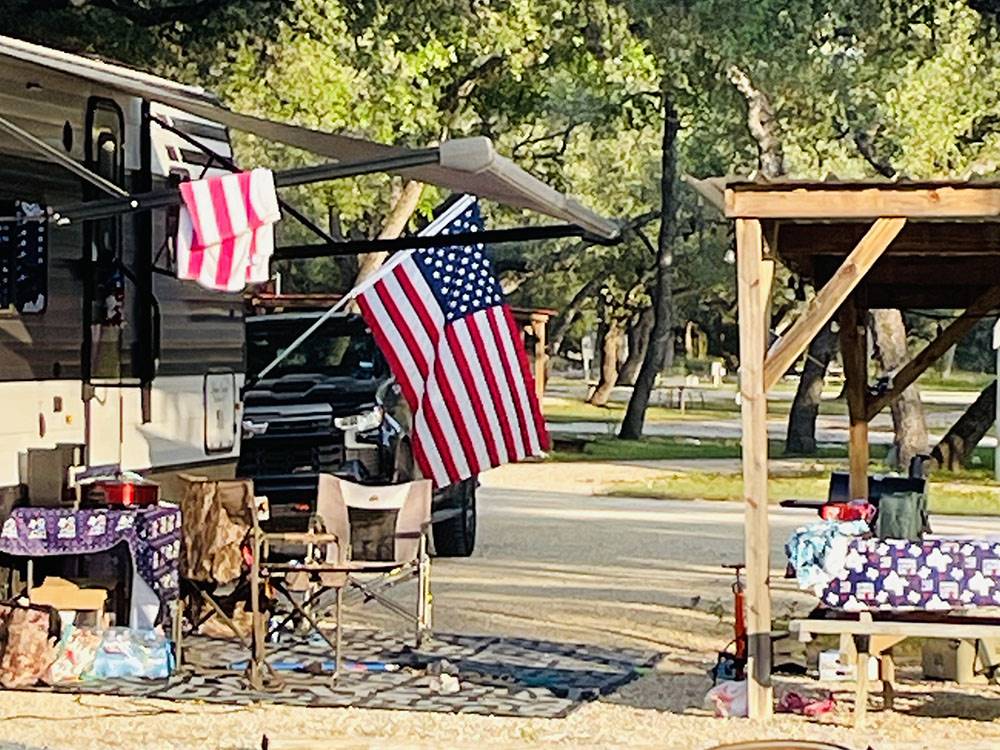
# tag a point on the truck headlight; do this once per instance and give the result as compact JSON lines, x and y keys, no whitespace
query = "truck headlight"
{"x":364,"y":422}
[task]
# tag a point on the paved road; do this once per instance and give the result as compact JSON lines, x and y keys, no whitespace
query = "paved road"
{"x":600,"y":569}
{"x":831,"y":430}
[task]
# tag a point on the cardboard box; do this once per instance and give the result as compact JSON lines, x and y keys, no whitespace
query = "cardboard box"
{"x":65,"y":595}
{"x":964,"y":662}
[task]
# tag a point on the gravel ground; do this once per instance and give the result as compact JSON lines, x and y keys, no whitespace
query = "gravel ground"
{"x":564,"y":567}
{"x":639,"y":716}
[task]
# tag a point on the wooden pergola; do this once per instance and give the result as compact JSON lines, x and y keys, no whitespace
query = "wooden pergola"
{"x":864,"y":245}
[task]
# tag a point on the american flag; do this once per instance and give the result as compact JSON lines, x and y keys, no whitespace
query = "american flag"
{"x":440,"y":318}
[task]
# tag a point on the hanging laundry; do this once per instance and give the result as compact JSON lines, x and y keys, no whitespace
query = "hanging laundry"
{"x":225,"y":234}
{"x":24,"y":257}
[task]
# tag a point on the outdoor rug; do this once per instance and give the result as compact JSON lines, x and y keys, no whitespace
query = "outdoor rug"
{"x":496,"y":676}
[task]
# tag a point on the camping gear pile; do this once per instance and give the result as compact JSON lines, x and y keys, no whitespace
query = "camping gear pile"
{"x":40,"y":644}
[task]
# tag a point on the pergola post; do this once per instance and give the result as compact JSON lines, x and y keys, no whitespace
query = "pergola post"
{"x":854,"y":349}
{"x":538,"y":327}
{"x":752,"y":290}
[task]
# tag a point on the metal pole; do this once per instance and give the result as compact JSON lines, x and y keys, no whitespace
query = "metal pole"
{"x":491,"y":236}
{"x":996,"y":425}
{"x":302,"y":176}
{"x":341,"y":303}
{"x":61,"y":159}
{"x":431,"y":229}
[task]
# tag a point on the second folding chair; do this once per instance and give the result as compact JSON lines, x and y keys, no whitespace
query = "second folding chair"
{"x":351,"y":529}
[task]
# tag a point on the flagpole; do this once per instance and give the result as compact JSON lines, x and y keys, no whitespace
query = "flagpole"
{"x":340,"y":305}
{"x":431,"y":229}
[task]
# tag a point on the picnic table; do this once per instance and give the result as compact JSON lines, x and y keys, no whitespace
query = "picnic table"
{"x":876,"y":638}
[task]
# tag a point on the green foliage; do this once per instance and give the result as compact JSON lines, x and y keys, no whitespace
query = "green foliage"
{"x":573,"y":92}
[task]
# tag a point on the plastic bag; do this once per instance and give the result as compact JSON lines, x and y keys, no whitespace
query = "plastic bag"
{"x":77,"y":653}
{"x":728,"y":699}
{"x":27,"y":642}
{"x":126,"y":652}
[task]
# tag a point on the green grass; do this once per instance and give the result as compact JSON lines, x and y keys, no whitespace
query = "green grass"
{"x":562,"y":411}
{"x":954,"y":496}
{"x":565,"y":410}
{"x":664,"y":448}
{"x":672,"y":448}
{"x":957,"y":381}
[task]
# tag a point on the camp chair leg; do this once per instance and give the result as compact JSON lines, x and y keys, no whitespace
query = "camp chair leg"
{"x":861,"y":693}
{"x":257,"y":657}
{"x":371,"y":595}
{"x":423,"y":592}
{"x":308,"y":617}
{"x":279,"y":626}
{"x":340,"y":631}
{"x":226,"y":619}
{"x":177,"y":626}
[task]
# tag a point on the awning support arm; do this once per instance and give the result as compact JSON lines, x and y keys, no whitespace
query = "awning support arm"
{"x":229,"y":164}
{"x":418,"y":242}
{"x":61,"y":159}
{"x":302,"y":176}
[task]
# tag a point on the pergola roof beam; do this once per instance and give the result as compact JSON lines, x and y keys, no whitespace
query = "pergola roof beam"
{"x":821,"y":203}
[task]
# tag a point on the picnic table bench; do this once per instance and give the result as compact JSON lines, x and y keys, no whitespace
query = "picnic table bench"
{"x":877,"y":637}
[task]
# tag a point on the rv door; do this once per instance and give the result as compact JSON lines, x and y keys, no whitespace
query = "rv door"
{"x":110,"y":298}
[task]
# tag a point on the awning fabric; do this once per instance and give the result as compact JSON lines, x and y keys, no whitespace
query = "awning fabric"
{"x":468,"y":165}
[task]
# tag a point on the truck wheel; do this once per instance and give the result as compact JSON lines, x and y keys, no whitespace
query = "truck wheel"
{"x":456,"y":536}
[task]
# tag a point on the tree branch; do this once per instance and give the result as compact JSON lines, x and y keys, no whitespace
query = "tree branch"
{"x":865,"y":143}
{"x":762,"y":122}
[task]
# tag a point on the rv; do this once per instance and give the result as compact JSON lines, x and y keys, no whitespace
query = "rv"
{"x":106,"y":359}
{"x":100,"y":346}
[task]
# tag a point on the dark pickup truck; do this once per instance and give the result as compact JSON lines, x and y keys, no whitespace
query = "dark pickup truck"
{"x":332,"y":406}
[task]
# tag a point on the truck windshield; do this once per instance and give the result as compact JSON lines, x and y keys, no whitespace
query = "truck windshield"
{"x":338,"y":349}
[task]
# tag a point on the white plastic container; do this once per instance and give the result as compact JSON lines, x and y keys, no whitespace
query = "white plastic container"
{"x":832,"y":668}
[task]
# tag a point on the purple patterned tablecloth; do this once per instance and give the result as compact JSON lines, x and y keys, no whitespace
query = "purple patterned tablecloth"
{"x":933,"y":574}
{"x":153,"y":536}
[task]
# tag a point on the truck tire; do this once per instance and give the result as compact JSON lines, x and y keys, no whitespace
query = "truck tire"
{"x":456,"y":536}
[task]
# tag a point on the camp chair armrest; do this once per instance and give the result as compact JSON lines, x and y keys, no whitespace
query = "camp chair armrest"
{"x":301,"y":537}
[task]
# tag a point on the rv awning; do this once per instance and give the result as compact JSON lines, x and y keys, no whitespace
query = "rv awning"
{"x":469,"y":165}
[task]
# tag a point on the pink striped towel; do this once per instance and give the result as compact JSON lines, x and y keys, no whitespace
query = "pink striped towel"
{"x":225,"y":234}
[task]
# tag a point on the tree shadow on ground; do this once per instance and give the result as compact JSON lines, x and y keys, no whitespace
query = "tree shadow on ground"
{"x":978,"y":703}
{"x":676,"y":685}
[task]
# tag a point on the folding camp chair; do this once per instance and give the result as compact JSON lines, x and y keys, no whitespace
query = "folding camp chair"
{"x":353,"y":529}
{"x":217,"y":520}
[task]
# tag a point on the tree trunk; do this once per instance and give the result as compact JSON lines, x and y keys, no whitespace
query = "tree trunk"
{"x":395,"y":223}
{"x":609,"y":334}
{"x":948,"y":361}
{"x":638,"y":342}
{"x":570,"y":314}
{"x":661,"y":338}
{"x":763,"y":124}
{"x":801,"y":437}
{"x":909,"y":425}
{"x":955,"y":448}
